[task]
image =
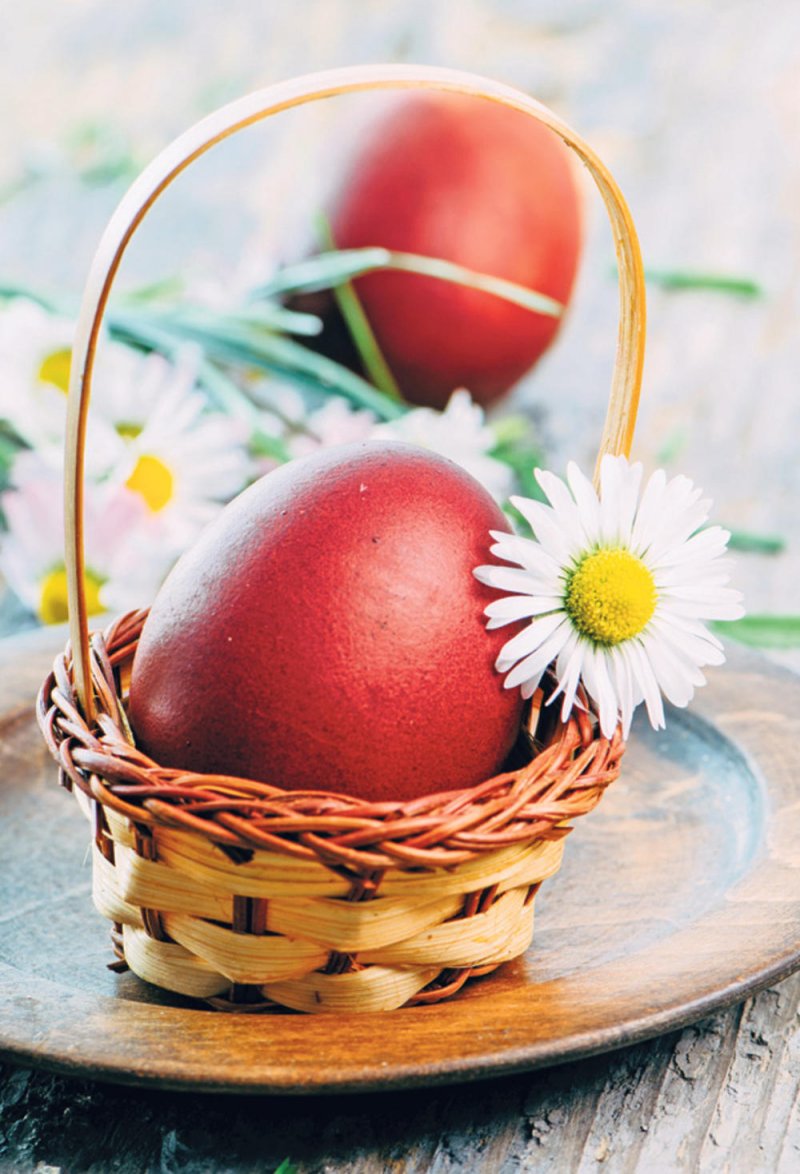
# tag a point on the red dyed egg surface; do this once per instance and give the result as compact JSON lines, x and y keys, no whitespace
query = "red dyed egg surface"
{"x":327,"y":633}
{"x":471,"y":182}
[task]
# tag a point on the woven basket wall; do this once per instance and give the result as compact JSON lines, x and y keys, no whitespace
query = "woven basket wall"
{"x":235,"y":891}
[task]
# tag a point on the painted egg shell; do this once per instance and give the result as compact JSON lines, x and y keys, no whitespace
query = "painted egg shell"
{"x":327,"y":633}
{"x":471,"y":182}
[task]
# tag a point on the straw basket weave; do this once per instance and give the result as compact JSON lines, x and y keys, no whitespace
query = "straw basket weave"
{"x":248,"y":896}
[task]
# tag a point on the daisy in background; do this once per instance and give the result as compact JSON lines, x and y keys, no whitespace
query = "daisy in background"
{"x":335,"y":422}
{"x":157,"y":459}
{"x":35,"y":352}
{"x":123,"y":570}
{"x":35,"y":358}
{"x":616,"y":589}
{"x":461,"y":433}
{"x":183,"y":461}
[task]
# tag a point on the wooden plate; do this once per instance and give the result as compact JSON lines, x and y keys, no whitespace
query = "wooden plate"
{"x":678,"y":896}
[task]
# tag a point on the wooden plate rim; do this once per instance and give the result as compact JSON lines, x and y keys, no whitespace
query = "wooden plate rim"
{"x":751,"y":703}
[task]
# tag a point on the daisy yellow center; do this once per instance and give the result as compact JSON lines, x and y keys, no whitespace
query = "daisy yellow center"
{"x":610,"y":596}
{"x":128,"y":430}
{"x":153,"y":481}
{"x":55,"y":369}
{"x":53,"y":607}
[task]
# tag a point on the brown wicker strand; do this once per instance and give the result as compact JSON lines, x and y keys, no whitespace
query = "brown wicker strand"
{"x":562,"y":782}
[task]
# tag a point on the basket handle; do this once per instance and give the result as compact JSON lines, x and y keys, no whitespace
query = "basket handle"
{"x":626,"y":380}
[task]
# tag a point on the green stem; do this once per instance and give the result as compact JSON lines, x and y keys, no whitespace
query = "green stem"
{"x":358,"y":325}
{"x":331,"y":269}
{"x":751,"y":543}
{"x":692,"y":279}
{"x":763,"y":631}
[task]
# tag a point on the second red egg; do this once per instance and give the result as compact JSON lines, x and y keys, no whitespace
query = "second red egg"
{"x":468,"y":181}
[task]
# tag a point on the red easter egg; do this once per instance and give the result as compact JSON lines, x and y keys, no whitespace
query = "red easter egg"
{"x":327,"y":633}
{"x":471,"y":182}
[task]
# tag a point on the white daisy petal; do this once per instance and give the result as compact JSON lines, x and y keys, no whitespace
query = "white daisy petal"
{"x":720,"y":609}
{"x":587,"y":502}
{"x":675,"y":677}
{"x":529,"y":687}
{"x":543,"y":521}
{"x":623,"y":681}
{"x":600,"y":688}
{"x":631,"y":485}
{"x":513,"y":579}
{"x":702,"y":647}
{"x":649,"y":513}
{"x":532,"y":636}
{"x":645,"y":678}
{"x":515,"y":549}
{"x":566,"y":653}
{"x":702,"y":546}
{"x":569,"y":515}
{"x":535,"y":664}
{"x":677,"y":626}
{"x":518,"y":607}
{"x":610,"y":500}
{"x":569,"y":676}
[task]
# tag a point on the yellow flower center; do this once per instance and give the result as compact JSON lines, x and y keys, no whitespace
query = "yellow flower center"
{"x":610,"y":596}
{"x":53,"y":595}
{"x":128,"y":430}
{"x":153,"y":481}
{"x":55,"y":369}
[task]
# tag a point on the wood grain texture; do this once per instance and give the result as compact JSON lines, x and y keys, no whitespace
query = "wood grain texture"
{"x":671,"y":1104}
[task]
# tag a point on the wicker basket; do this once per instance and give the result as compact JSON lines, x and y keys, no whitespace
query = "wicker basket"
{"x":248,"y":896}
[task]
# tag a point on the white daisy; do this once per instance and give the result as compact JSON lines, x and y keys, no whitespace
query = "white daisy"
{"x":616,"y":588}
{"x":461,"y":433}
{"x":123,"y":567}
{"x":35,"y":351}
{"x":182,"y":460}
{"x":35,"y":357}
{"x":335,"y":422}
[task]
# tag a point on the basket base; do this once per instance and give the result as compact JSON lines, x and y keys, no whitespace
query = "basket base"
{"x":365,"y":988}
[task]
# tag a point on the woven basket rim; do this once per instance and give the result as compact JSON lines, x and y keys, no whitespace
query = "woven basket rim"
{"x":564,"y":779}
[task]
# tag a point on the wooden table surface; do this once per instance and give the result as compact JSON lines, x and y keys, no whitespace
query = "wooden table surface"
{"x":695,"y":107}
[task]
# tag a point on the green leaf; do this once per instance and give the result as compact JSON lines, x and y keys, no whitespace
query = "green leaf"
{"x":268,"y":316}
{"x":680,"y":279}
{"x":511,"y":430}
{"x":751,"y":543}
{"x":100,"y":153}
{"x":10,"y":446}
{"x":258,"y":317}
{"x":223,"y":392}
{"x":323,"y":272}
{"x":357,"y":323}
{"x":10,"y":291}
{"x":517,"y":447}
{"x":234,"y":343}
{"x":286,"y":1167}
{"x":672,"y":446}
{"x":332,"y":269}
{"x":762,"y":631}
{"x":167,"y":288}
{"x":264,"y":445}
{"x":522,"y":453}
